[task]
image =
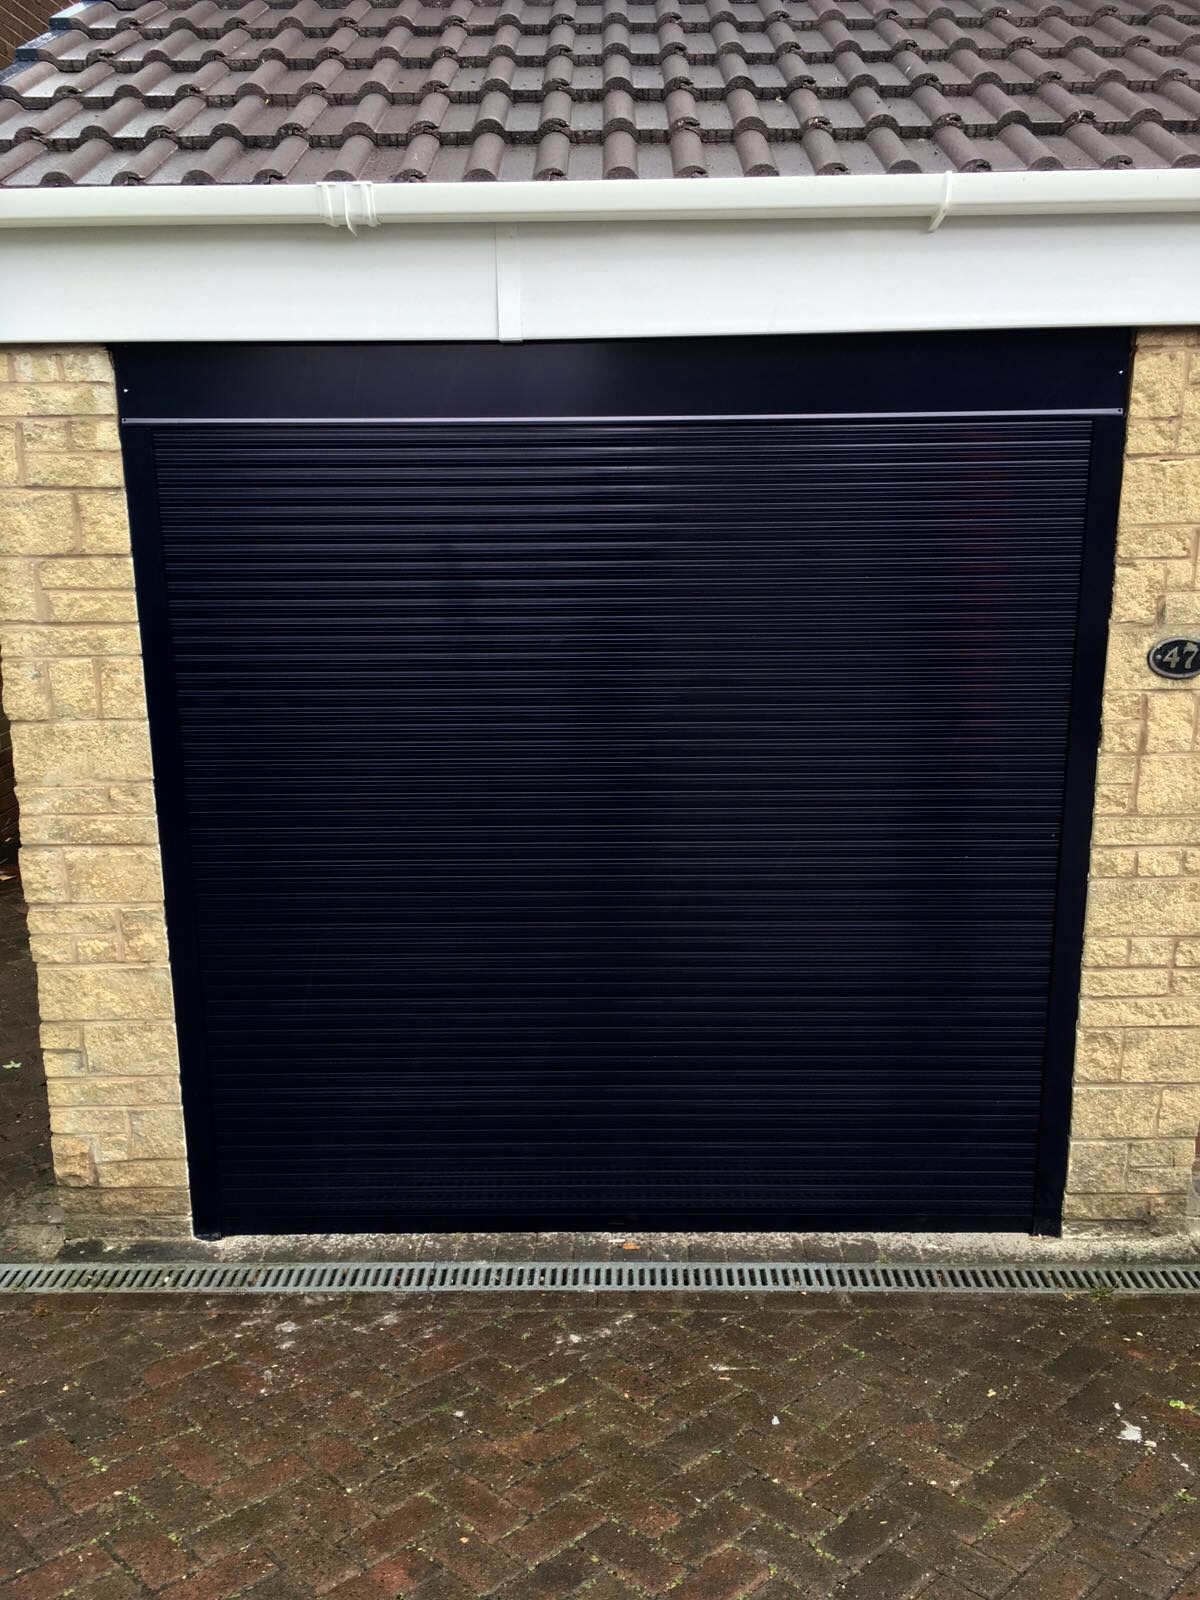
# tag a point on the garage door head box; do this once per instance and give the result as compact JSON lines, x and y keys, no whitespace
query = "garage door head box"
{"x":615,"y":691}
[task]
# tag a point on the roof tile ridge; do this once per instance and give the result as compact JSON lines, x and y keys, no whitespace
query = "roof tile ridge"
{"x":19,"y":156}
{"x":974,"y":68}
{"x":959,"y":150}
{"x":820,"y":147}
{"x":871,"y":106}
{"x":887,"y":145}
{"x":1033,"y":153}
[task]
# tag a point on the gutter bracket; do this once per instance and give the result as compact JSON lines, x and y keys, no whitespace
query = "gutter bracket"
{"x":347,"y":205}
{"x":939,"y":216}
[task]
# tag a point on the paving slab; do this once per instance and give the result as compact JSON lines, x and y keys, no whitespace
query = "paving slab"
{"x":705,"y":1448}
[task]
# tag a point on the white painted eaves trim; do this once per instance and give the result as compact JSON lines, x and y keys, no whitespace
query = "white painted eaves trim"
{"x":603,"y":260}
{"x":361,"y":206}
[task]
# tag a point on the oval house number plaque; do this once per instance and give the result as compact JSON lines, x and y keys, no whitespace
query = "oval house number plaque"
{"x":1175,"y":658}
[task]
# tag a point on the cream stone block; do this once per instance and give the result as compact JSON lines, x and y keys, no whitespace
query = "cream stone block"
{"x":1105,"y":1207}
{"x":1161,"y":1055}
{"x":90,"y":605}
{"x":33,"y":366}
{"x":74,"y":1164}
{"x":61,"y":1035}
{"x":1137,"y":593}
{"x":1181,"y":611}
{"x":1116,"y":768}
{"x":1159,"y":377}
{"x":1150,"y":952}
{"x":1159,"y":1153}
{"x":63,"y":1064}
{"x":26,"y":690}
{"x":1180,"y":1113}
{"x":101,"y":993}
{"x":1170,"y":721}
{"x":43,"y":874}
{"x":125,"y":1049}
{"x":10,"y":465}
{"x":1153,"y":539}
{"x":1140,"y":980}
{"x":1161,"y":490}
{"x":57,"y":949}
{"x":122,"y":690}
{"x":104,"y":522}
{"x":71,"y":919}
{"x":87,"y":366}
{"x":56,"y":399}
{"x":96,"y":640}
{"x":1153,"y":906}
{"x":90,"y":1090}
{"x":145,"y":937}
{"x":58,"y":829}
{"x":1108,"y":863}
{"x":1151,"y":438}
{"x":35,"y":524}
{"x":74,"y":469}
{"x":101,"y":949}
{"x":1144,"y":830}
{"x":20,"y":598}
{"x":1098,"y":1057}
{"x":139,"y":1174}
{"x":1098,"y":1167}
{"x":1170,"y":784}
{"x":119,"y":873}
{"x":1159,"y":1180}
{"x":156,"y":1135}
{"x":1106,"y":953}
{"x":89,"y":1120}
{"x":81,"y":752}
{"x":46,"y":433}
{"x":73,"y":687}
{"x":1113,"y":799}
{"x":1105,"y":1111}
{"x":95,"y":433}
{"x":86,"y":572}
{"x":148,"y":1208}
{"x":1178,"y":576}
{"x":1135,"y":1011}
{"x":1160,"y":863}
{"x":1125,"y":706}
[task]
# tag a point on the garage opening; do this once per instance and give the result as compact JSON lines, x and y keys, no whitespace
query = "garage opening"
{"x":615,"y":784}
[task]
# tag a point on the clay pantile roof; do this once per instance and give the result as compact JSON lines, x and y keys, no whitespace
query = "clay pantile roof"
{"x":296,"y":91}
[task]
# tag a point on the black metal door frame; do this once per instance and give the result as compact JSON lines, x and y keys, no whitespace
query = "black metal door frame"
{"x":918,"y":376}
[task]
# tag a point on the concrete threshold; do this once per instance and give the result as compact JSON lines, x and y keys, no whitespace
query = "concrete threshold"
{"x":1079,"y":1247}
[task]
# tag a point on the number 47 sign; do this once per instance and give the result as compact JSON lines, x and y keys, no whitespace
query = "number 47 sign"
{"x":1175,"y":658}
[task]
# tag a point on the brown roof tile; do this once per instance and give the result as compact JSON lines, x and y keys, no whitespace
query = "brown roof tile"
{"x":270,"y":91}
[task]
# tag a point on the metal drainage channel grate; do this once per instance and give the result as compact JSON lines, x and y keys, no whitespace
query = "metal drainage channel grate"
{"x":441,"y":1277}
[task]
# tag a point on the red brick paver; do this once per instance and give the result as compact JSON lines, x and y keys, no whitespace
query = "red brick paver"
{"x":618,"y":1448}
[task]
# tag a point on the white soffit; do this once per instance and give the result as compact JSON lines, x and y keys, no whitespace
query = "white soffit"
{"x":599,"y":260}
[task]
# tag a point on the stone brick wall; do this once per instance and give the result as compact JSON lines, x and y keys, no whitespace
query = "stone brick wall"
{"x":1137,"y":1079}
{"x":70,"y":665}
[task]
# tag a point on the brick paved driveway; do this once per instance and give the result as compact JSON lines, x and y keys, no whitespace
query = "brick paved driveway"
{"x":532,"y":1448}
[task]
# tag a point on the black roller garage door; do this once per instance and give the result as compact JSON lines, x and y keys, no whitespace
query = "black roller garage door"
{"x":626,"y":784}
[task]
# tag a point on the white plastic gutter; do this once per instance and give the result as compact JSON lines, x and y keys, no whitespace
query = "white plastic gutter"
{"x":931,"y":198}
